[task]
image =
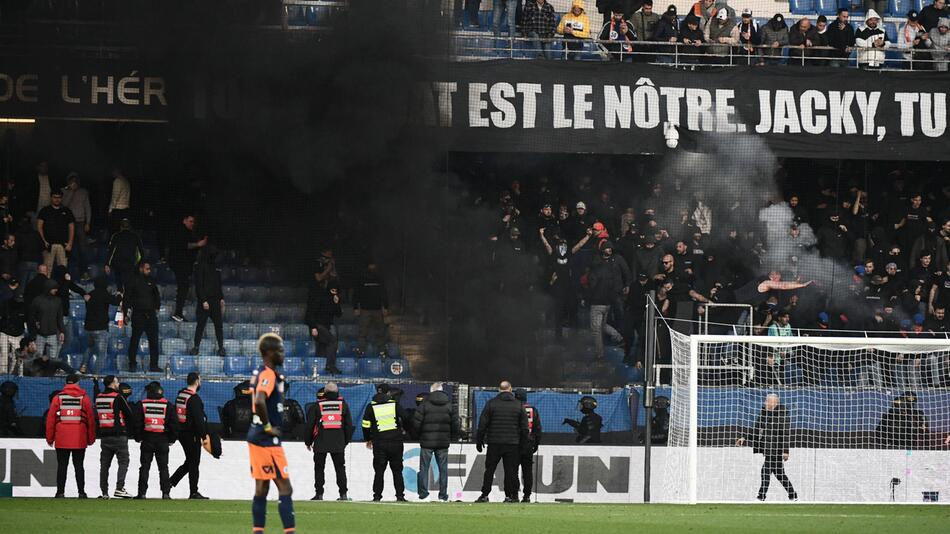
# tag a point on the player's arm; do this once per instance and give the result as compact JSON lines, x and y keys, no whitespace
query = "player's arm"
{"x":260,"y":410}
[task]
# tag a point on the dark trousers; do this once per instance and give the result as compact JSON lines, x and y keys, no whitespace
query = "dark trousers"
{"x":774,"y":465}
{"x":154,"y":447}
{"x":147,"y":322}
{"x":117,"y":447}
{"x":527,"y":472}
{"x":387,"y":453}
{"x":509,"y":456}
{"x":183,"y":280}
{"x":214,"y":312}
{"x":192,"y":447}
{"x":442,"y":464}
{"x":325,"y":344}
{"x":62,"y":464}
{"x":339,"y":465}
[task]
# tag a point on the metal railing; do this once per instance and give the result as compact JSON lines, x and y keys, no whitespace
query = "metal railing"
{"x":471,"y":46}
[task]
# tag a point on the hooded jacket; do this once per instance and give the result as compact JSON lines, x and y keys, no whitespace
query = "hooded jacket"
{"x":436,"y":421}
{"x":774,"y":31}
{"x":141,"y":294}
{"x":71,"y":428}
{"x":46,"y":312}
{"x":607,"y":279}
{"x":125,"y":250}
{"x":579,"y":24}
{"x":503,"y":421}
{"x":941,"y":42}
{"x":97,"y":307}
{"x":207,"y":279}
{"x":865,"y":39}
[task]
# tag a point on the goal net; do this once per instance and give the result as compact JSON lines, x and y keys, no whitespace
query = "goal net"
{"x":815,"y":419}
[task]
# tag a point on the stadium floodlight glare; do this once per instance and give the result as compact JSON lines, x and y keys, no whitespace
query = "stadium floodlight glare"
{"x":855,"y":414}
{"x":10,"y":120}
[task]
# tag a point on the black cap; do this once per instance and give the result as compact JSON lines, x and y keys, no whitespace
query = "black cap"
{"x":671,"y":9}
{"x":912,"y":15}
{"x":72,"y":379}
{"x":778,"y":17}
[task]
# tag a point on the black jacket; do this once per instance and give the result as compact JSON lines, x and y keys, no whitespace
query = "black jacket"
{"x":588,"y":429}
{"x":141,"y":294}
{"x":13,"y":320}
{"x":34,"y":288}
{"x":607,"y":279}
{"x":119,"y":407}
{"x":46,"y":313}
{"x":436,"y":422}
{"x":125,"y":250}
{"x":370,"y":293}
{"x":503,"y":421}
{"x":8,"y":261}
{"x":371,"y":423}
{"x":196,"y":422}
{"x":840,"y":39}
{"x":329,"y":439}
{"x":208,"y":283}
{"x":97,"y":307}
{"x":180,"y":257}
{"x":771,"y":433}
{"x":236,"y":417}
{"x":320,"y":306}
{"x":29,"y":244}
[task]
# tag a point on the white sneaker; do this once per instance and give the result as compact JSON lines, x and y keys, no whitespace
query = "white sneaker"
{"x":122,"y":494}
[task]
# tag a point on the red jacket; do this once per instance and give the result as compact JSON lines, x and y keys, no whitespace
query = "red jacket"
{"x":71,"y":423}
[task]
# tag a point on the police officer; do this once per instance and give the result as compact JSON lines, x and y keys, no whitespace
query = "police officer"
{"x":114,"y":416}
{"x":192,"y":431}
{"x":588,"y":429}
{"x":156,"y":432}
{"x":530,"y":447}
{"x":383,"y":430}
{"x":236,"y":413}
{"x":70,"y":428}
{"x":331,"y":429}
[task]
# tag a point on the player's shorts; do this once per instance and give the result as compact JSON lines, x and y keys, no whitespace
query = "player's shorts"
{"x":268,"y":463}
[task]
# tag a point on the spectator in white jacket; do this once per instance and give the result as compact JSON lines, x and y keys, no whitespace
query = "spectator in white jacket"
{"x":871,"y":41}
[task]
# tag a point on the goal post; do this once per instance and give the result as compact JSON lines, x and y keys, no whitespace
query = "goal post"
{"x":815,"y":419}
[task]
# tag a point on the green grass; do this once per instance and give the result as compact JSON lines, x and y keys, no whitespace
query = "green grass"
{"x":71,"y":516}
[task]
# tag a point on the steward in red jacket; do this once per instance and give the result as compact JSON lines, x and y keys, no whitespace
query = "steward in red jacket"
{"x":70,"y":428}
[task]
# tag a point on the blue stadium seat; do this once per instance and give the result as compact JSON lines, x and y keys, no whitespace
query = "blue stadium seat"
{"x":74,"y":359}
{"x":281,"y":294}
{"x":237,"y":365}
{"x":347,"y":366}
{"x":285,"y":314}
{"x":105,"y":364}
{"x":802,"y":7}
{"x":345,"y":348}
{"x":826,"y":7}
{"x":256,"y":294}
{"x":296,"y":331}
{"x":891,"y":29}
{"x":233,"y":346}
{"x":246,"y":331}
{"x":263,"y":313}
{"x":249,"y":275}
{"x":614,"y":355}
{"x":115,"y":331}
{"x":271,"y":327}
{"x":919,"y":4}
{"x":290,"y":348}
{"x":347,"y":331}
{"x":77,"y":309}
{"x":397,"y":368}
{"x":189,"y":313}
{"x":208,"y":348}
{"x":182,"y":365}
{"x":118,"y":345}
{"x":898,"y":8}
{"x":167,"y":329}
{"x":174,"y":346}
{"x":249,"y":347}
{"x":211,"y":365}
{"x":317,"y":364}
{"x":294,"y":367}
{"x":187,"y":331}
{"x":237,"y":313}
{"x":372,"y":368}
{"x":233,"y":294}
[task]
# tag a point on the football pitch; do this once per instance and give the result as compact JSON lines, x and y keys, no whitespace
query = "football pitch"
{"x":24,"y":515}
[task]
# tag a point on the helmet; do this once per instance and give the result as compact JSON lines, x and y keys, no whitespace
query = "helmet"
{"x":421,"y":397}
{"x":587,"y":403}
{"x":243,"y":389}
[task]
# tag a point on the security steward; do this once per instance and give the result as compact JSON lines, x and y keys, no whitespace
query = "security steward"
{"x":157,"y":432}
{"x":383,"y":430}
{"x":503,"y":425}
{"x":192,"y":431}
{"x":236,"y":413}
{"x":588,"y":428}
{"x":70,"y":428}
{"x":331,"y":429}
{"x":530,"y":447}
{"x":115,"y":418}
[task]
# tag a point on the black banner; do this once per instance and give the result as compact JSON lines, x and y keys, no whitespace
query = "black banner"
{"x":561,"y":106}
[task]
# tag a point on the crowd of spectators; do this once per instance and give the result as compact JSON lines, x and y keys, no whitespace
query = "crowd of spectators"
{"x":602,"y":254}
{"x":713,"y":32}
